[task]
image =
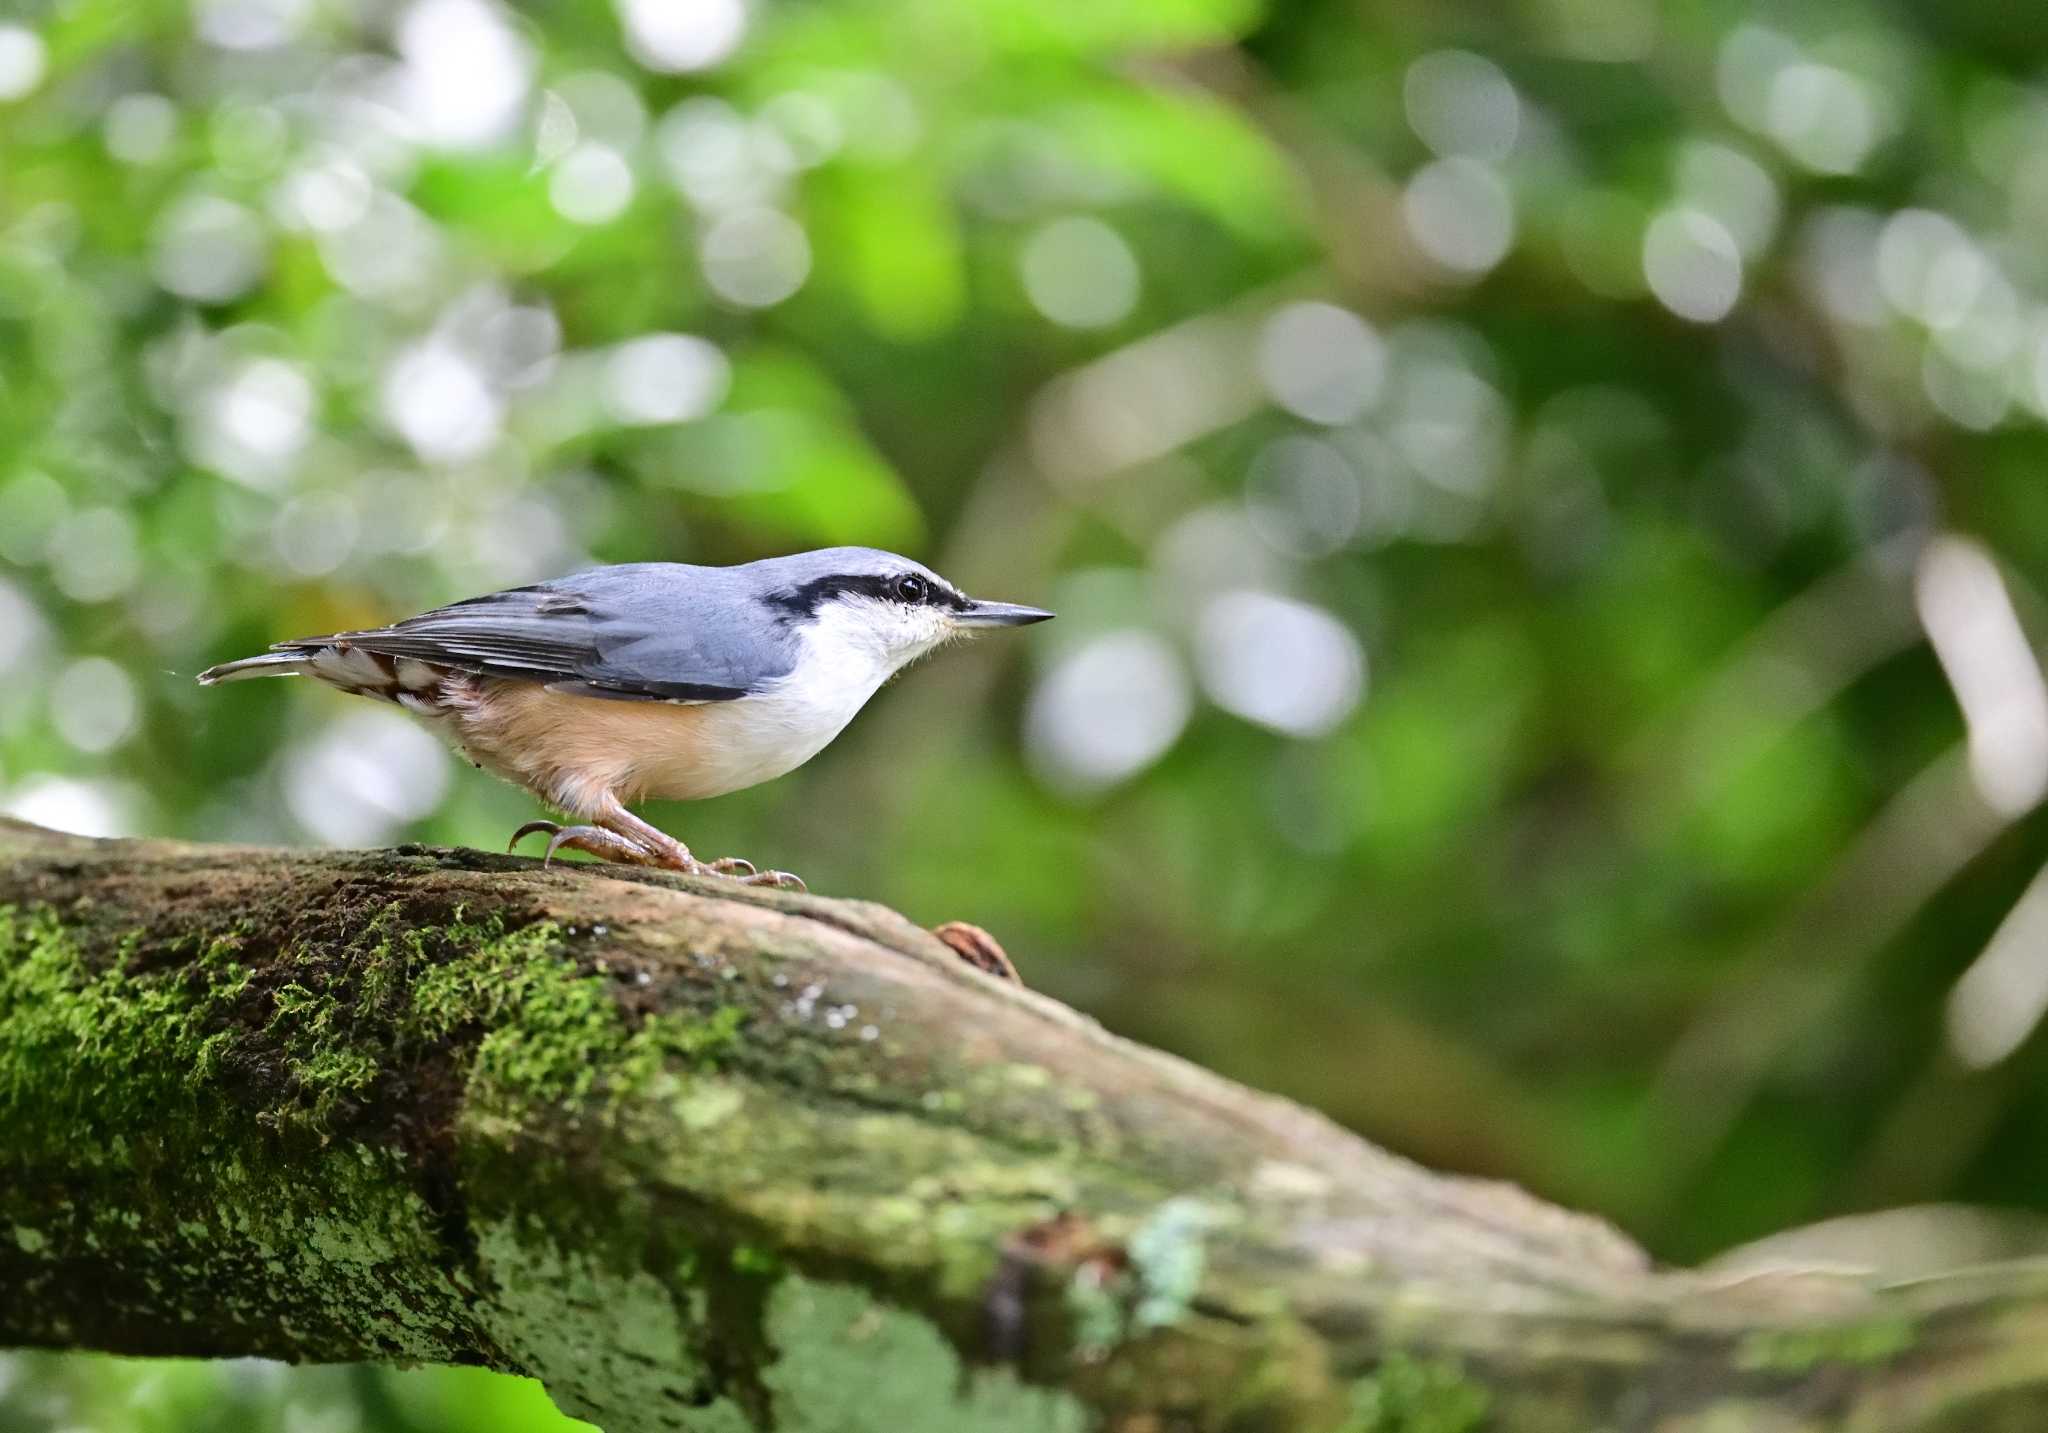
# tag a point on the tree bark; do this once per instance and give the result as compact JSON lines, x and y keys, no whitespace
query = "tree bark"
{"x":704,"y":1157}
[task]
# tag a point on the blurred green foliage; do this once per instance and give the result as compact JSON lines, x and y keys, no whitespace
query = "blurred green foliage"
{"x":41,"y":1390}
{"x":1498,"y":468}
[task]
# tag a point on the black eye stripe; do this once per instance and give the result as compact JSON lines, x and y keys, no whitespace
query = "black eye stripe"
{"x":795,"y":603}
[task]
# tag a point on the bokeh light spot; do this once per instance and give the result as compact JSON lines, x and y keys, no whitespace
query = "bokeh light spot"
{"x":1720,"y":180}
{"x":1925,"y":264}
{"x":138,"y":128}
{"x":1304,"y":497}
{"x":93,"y":705}
{"x":1080,"y":273}
{"x":23,"y":61}
{"x":314,"y":535}
{"x":1280,"y":663}
{"x":466,"y":72}
{"x":665,"y":378}
{"x":1976,"y":636}
{"x":21,"y":627}
{"x":1321,"y":362}
{"x":95,"y":554}
{"x":718,"y":158}
{"x":1824,"y":117}
{"x":1747,"y":68}
{"x":1462,"y":103}
{"x":391,"y":255}
{"x":254,"y":425}
{"x":1692,"y":264}
{"x":604,"y":107}
{"x":755,"y":258}
{"x":252,"y":24}
{"x":208,"y":249}
{"x":678,"y":36}
{"x":62,"y":803}
{"x":327,"y":195}
{"x":1460,"y":212}
{"x":808,"y":125}
{"x":439,"y":402}
{"x":365,"y":775}
{"x":1106,"y":711}
{"x":592,"y":184}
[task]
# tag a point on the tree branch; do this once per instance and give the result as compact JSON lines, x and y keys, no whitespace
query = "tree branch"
{"x":709,"y":1158}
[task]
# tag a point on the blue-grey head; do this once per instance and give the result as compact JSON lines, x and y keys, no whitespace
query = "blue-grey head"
{"x":890,"y":608}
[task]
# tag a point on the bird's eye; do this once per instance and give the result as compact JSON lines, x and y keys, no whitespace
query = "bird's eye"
{"x":912,"y":588}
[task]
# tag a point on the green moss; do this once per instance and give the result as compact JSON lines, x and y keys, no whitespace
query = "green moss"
{"x":551,"y":1031}
{"x":279,"y":1191}
{"x":1411,"y":1395}
{"x":307,"y":1034}
{"x":1800,"y":1350}
{"x":85,"y":1055}
{"x":325,"y":1070}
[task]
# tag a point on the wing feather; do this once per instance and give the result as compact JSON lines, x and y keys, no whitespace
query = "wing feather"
{"x":625,"y":633}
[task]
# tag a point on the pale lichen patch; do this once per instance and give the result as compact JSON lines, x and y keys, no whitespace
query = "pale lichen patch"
{"x":1167,"y":1255}
{"x":846,"y":1363}
{"x":721,"y":1415}
{"x":610,"y":1340}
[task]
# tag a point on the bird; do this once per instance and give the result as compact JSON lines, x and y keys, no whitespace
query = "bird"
{"x":650,"y":681}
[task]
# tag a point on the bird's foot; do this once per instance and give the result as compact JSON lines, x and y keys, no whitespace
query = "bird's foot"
{"x":595,"y":840}
{"x":978,"y":948}
{"x":611,"y":846}
{"x":733,"y":868}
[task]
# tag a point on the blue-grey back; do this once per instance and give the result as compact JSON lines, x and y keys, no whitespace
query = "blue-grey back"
{"x":670,"y":624}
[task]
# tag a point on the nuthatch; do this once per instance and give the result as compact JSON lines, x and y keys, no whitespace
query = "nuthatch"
{"x":650,"y":680}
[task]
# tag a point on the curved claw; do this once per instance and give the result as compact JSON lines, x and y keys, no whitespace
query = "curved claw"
{"x":605,"y":845}
{"x":551,"y":827}
{"x":562,"y":835}
{"x":736,"y":868}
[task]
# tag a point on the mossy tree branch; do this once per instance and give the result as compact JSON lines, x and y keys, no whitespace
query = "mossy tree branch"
{"x":707,"y":1158}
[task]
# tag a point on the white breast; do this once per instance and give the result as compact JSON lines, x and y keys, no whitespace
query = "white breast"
{"x":736,"y":744}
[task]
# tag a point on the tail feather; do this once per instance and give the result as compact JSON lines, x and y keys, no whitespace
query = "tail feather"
{"x":269,"y":664}
{"x":413,"y":684}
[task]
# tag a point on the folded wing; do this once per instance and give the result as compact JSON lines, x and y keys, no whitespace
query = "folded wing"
{"x":625,"y":633}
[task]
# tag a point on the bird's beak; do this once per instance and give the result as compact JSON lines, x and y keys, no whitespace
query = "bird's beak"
{"x":998,"y":614}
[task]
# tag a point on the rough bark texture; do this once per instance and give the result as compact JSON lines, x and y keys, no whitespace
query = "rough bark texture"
{"x":706,"y":1158}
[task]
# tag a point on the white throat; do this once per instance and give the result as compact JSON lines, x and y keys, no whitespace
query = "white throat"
{"x":841,"y":661}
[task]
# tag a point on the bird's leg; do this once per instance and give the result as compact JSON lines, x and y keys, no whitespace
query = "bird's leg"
{"x":676,"y":856}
